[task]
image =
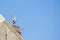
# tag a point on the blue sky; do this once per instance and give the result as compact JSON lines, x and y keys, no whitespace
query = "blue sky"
{"x":39,"y":19}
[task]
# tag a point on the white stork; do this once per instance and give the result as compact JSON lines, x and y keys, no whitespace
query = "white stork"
{"x":14,"y":20}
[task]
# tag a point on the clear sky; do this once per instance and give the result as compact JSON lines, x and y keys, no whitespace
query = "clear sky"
{"x":39,"y":19}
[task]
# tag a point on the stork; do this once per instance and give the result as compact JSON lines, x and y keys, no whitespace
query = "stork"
{"x":14,"y":20}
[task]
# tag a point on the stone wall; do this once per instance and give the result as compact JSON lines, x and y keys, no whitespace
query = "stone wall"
{"x":3,"y":31}
{"x":6,"y":33}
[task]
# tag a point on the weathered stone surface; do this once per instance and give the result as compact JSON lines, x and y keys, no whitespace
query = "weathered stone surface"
{"x":17,"y":28}
{"x":3,"y":31}
{"x":6,"y":33}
